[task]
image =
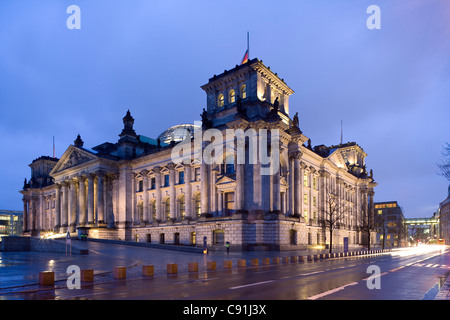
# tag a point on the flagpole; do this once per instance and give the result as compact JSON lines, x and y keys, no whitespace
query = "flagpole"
{"x":248,"y":46}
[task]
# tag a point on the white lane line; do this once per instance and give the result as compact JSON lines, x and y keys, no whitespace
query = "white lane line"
{"x":251,"y":284}
{"x":323,"y":294}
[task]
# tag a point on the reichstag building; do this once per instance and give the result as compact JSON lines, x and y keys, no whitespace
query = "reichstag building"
{"x":134,"y":190}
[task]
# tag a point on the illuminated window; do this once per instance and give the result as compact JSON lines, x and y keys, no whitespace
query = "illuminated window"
{"x":198,"y":205}
{"x":305,"y":180}
{"x":220,"y":100}
{"x":305,"y":198}
{"x":305,"y":214}
{"x":182,"y":207}
{"x":314,"y":183}
{"x":314,"y":201}
{"x":243,"y":91}
{"x":153,"y":207}
{"x":167,"y":209}
{"x":231,"y":96}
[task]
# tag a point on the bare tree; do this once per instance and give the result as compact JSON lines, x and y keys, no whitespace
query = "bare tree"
{"x":333,"y":211}
{"x":444,"y":166}
{"x":367,"y":223}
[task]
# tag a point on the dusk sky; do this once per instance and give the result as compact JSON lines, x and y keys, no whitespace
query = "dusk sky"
{"x":390,"y":87}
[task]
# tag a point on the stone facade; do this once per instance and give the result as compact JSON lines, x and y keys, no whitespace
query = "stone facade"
{"x":135,"y":190}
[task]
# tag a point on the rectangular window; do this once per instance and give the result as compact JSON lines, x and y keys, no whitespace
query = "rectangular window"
{"x":166,"y":180}
{"x":314,"y":183}
{"x":314,"y":201}
{"x":181,"y":177}
{"x":153,"y":183}
{"x":197,"y":174}
{"x":140,"y":185}
{"x":305,"y":198}
{"x":305,"y":180}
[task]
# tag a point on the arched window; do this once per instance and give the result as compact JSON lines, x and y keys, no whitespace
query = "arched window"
{"x":218,"y":236}
{"x":220,"y":100}
{"x":140,"y":210}
{"x":198,"y":205}
{"x":243,"y":91}
{"x":231,"y":96}
{"x":153,"y":208}
{"x":167,"y":209}
{"x":182,"y":207}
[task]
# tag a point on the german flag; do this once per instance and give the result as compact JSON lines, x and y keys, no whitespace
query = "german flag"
{"x":245,"y":59}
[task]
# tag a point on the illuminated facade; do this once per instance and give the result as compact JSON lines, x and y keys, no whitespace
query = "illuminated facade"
{"x":133,"y":190}
{"x":390,"y":225}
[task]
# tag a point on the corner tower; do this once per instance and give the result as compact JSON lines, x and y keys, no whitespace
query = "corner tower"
{"x":252,"y":86}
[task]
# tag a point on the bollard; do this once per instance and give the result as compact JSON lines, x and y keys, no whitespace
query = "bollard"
{"x":265,"y":261}
{"x":192,"y":267}
{"x":46,"y":278}
{"x":294,"y":259}
{"x":276,"y":260}
{"x":242,"y":263}
{"x":254,"y":262}
{"x":172,"y":268}
{"x":301,"y":259}
{"x":285,"y":259}
{"x":87,"y":275}
{"x":211,"y":265}
{"x":120,"y":272}
{"x":228,"y":264}
{"x":148,"y":270}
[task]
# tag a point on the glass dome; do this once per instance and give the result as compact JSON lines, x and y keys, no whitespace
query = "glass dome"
{"x":177,"y":133}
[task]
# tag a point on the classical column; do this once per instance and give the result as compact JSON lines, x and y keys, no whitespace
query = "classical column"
{"x":72,"y":218}
{"x":25,"y":214}
{"x":100,"y":197}
{"x":173,"y":212}
{"x":57,"y":208}
{"x":188,"y":190}
{"x":157,"y":171}
{"x":204,"y":185}
{"x":145,"y":205}
{"x":297,"y":183}
{"x":64,"y":207}
{"x":81,"y":200}
{"x":90,"y":199}
{"x":276,"y":192}
{"x":239,"y":187}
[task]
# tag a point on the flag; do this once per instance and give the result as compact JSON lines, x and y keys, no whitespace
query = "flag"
{"x":245,"y":59}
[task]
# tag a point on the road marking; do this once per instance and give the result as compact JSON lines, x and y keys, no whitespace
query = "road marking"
{"x":323,"y":294}
{"x":251,"y":284}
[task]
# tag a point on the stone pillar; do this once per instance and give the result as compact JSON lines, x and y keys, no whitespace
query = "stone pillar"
{"x":188,"y":190}
{"x":157,"y":171}
{"x":145,"y":206}
{"x":82,"y":218}
{"x":276,"y":192}
{"x":204,"y":186}
{"x":72,"y":217}
{"x":220,"y":203}
{"x":90,"y":199}
{"x":239,"y":205}
{"x":25,"y":214}
{"x":57,"y":208}
{"x":64,"y":207}
{"x":173,"y":212}
{"x":100,"y":197}
{"x":297,"y":183}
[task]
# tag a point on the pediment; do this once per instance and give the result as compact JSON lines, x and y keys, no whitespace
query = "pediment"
{"x":71,"y":158}
{"x":224,"y":180}
{"x":337,"y":159}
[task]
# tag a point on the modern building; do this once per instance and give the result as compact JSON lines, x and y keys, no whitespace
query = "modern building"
{"x":10,"y":223}
{"x":246,"y":174}
{"x":444,"y":219}
{"x":423,"y":230}
{"x":390,"y":225}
